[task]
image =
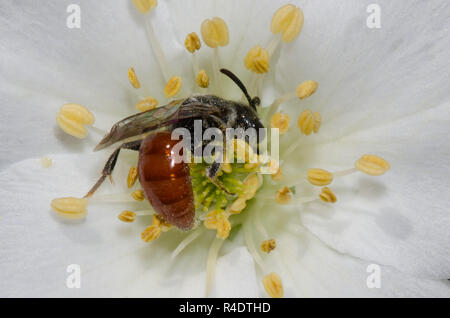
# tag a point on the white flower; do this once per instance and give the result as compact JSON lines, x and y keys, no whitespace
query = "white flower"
{"x":381,"y":91}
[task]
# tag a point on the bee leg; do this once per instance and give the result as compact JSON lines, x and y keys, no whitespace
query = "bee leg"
{"x":111,"y":163}
{"x":212,"y":172}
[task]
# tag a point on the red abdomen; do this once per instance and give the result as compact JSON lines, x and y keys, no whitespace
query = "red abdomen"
{"x":166,"y":184}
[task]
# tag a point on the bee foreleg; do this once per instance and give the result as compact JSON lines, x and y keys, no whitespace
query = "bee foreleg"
{"x":111,"y":163}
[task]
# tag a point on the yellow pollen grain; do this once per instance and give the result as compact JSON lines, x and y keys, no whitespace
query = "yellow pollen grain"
{"x":372,"y":165}
{"x":238,"y":205}
{"x":280,"y":121}
{"x":72,"y":119}
{"x":144,"y":6}
{"x":251,"y":185}
{"x":147,"y":104}
{"x":327,"y":195}
{"x":278,"y":176}
{"x":309,"y":122}
{"x":223,"y":227}
{"x":289,"y":21}
{"x":127,"y":216}
{"x":273,"y":285}
{"x":257,"y":60}
{"x":214,"y":32}
{"x":268,"y":246}
{"x":306,"y":89}
{"x":192,"y":42}
{"x":138,"y":195}
{"x":132,"y":176}
{"x":319,"y":177}
{"x":134,"y":81}
{"x":173,"y":86}
{"x":283,"y":196}
{"x":202,"y":79}
{"x":46,"y":162}
{"x":70,"y":207}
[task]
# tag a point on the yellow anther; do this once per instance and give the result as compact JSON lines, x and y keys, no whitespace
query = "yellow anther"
{"x":268,"y":246}
{"x":226,"y":167}
{"x":173,"y":86}
{"x":134,"y":81}
{"x":327,"y":195}
{"x":319,"y":177}
{"x":72,"y":118}
{"x":127,"y":216}
{"x":273,"y":285}
{"x":238,"y":205}
{"x":289,"y":21}
{"x":192,"y":42}
{"x":211,"y":220}
{"x":214,"y":32}
{"x":278,"y":176}
{"x":151,"y":233}
{"x":251,"y":185}
{"x":309,"y":122}
{"x":273,"y":166}
{"x":223,"y":227}
{"x":257,"y":60}
{"x":372,"y":165}
{"x":132,"y":176}
{"x":306,"y":89}
{"x":202,"y":79}
{"x":317,"y":121}
{"x":145,"y":6}
{"x":70,"y":207}
{"x":147,"y":104}
{"x":138,"y":195}
{"x":280,"y":121}
{"x":283,"y":196}
{"x":46,"y":162}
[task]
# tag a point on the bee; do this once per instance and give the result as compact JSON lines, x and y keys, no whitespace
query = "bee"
{"x":165,"y":182}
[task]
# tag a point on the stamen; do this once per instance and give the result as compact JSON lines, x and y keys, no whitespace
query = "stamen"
{"x":70,"y":207}
{"x":273,"y":285}
{"x":306,"y":89}
{"x":134,"y":81}
{"x":127,"y":216}
{"x":268,"y":246}
{"x":238,"y":205}
{"x":215,"y":32}
{"x":211,"y":220}
{"x":278,"y":176}
{"x":159,"y":54}
{"x":46,"y":162}
{"x":202,"y":79}
{"x":192,"y":42}
{"x":289,"y":21}
{"x":72,"y":118}
{"x":144,"y":6}
{"x":154,"y":231}
{"x":280,"y":121}
{"x":309,"y":122}
{"x":223,"y":227}
{"x":173,"y":86}
{"x":327,"y":195}
{"x":138,"y":195}
{"x":147,"y":104}
{"x":257,"y":60}
{"x":319,"y":177}
{"x":251,"y":185}
{"x":211,"y":262}
{"x":132,"y":176}
{"x":283,"y":196}
{"x":186,"y":241}
{"x":372,"y":165}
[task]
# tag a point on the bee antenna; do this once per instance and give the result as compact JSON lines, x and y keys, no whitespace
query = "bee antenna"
{"x":253,"y":102}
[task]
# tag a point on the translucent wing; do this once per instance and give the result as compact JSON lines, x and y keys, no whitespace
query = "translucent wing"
{"x":153,"y":119}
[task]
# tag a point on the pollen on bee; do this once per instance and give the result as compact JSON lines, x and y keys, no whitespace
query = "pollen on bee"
{"x":202,"y":79}
{"x":319,"y":177}
{"x":72,"y":119}
{"x":273,"y":285}
{"x":306,"y":89}
{"x":257,"y":60}
{"x":70,"y":207}
{"x":173,"y":86}
{"x":372,"y":165}
{"x":214,"y":32}
{"x":144,"y":6}
{"x":192,"y":42}
{"x":280,"y":121}
{"x":134,"y":81}
{"x":147,"y":104}
{"x":289,"y":21}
